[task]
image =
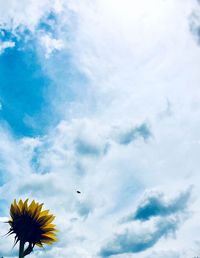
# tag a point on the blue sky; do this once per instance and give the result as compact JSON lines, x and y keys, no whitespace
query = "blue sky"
{"x":23,"y":87}
{"x":103,"y":97}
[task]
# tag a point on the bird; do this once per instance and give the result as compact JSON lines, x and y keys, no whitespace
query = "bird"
{"x":78,"y":192}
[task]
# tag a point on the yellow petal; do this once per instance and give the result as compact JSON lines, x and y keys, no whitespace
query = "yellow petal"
{"x":49,"y":240}
{"x":39,"y":244}
{"x":20,"y":205}
{"x":46,"y":219}
{"x":38,"y":210}
{"x":43,"y":213}
{"x":31,"y":207}
{"x":25,"y":206}
{"x":46,"y":226}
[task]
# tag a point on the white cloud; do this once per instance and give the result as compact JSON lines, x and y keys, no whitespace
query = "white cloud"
{"x":135,"y":55}
{"x":4,"y":219}
{"x":164,"y":254}
{"x":138,"y":238}
{"x":26,"y":14}
{"x":50,"y":44}
{"x":155,"y":204}
{"x":4,"y":45}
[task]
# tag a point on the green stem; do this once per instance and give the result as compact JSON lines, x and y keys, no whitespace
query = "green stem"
{"x":21,"y":249}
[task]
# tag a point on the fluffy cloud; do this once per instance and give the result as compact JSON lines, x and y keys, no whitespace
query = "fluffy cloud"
{"x":164,"y":254}
{"x":195,"y":24}
{"x":139,"y":236}
{"x":6,"y":44}
{"x":131,"y":242}
{"x":116,"y":135}
{"x":14,"y":15}
{"x":155,"y":204}
{"x":51,"y":44}
{"x":140,"y":131}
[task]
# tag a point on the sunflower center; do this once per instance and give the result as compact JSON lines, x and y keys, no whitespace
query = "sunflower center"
{"x":27,"y":229}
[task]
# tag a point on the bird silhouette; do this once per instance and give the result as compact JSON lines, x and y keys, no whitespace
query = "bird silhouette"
{"x":78,"y":192}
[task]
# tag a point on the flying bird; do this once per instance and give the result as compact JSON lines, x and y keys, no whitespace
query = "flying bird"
{"x":78,"y":192}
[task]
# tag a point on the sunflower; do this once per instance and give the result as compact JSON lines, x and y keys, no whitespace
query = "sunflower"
{"x":31,"y":225}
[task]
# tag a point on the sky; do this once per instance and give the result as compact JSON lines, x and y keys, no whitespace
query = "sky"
{"x":103,"y":97}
